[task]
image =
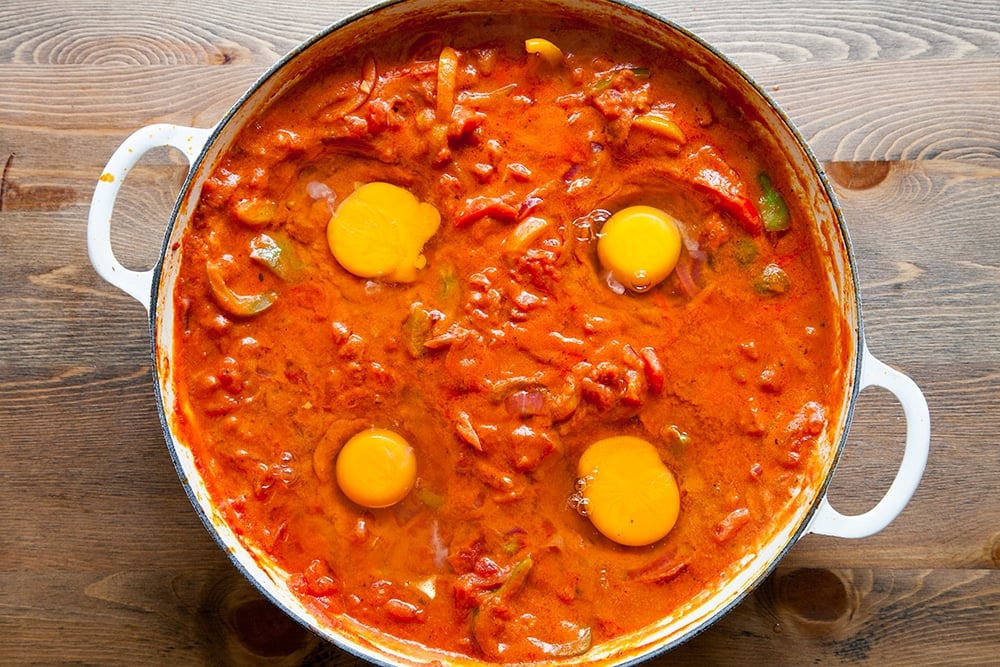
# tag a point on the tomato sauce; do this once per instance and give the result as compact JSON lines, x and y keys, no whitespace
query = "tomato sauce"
{"x":511,"y":350}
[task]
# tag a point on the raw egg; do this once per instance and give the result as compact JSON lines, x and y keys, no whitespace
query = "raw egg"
{"x":640,"y":246}
{"x":376,"y":468}
{"x":631,"y":496}
{"x":379,"y":231}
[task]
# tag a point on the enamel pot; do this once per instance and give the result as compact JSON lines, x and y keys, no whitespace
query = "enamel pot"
{"x":812,"y":513}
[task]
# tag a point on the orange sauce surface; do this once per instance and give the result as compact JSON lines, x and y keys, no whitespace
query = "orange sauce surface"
{"x":511,"y":351}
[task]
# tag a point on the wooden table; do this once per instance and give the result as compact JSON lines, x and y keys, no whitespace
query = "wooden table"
{"x":104,"y":562}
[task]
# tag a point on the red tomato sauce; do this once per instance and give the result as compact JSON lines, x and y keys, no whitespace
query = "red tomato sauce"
{"x":510,"y":353}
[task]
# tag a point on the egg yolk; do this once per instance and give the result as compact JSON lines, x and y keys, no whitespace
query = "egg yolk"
{"x":640,"y":246}
{"x":631,"y":496}
{"x":379,"y":231}
{"x":376,"y":468}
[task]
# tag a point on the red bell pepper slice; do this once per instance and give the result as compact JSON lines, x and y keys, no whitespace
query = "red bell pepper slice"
{"x":480,"y":207}
{"x":714,"y":176}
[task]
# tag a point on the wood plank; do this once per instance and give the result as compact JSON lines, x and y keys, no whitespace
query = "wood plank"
{"x":884,"y":617}
{"x":60,"y":99}
{"x":835,"y":74}
{"x":857,"y":112}
{"x":189,"y":32}
{"x":201,"y":615}
{"x":823,"y":32}
{"x":847,"y":112}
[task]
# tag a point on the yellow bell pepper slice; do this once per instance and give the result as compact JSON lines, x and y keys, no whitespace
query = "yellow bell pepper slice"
{"x":551,"y":53}
{"x":661,"y":126}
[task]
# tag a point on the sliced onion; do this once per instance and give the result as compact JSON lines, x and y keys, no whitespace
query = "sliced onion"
{"x":525,"y":403}
{"x":318,"y":190}
{"x":528,"y":205}
{"x":577,"y":646}
{"x":683,"y":271}
{"x":614,"y":285}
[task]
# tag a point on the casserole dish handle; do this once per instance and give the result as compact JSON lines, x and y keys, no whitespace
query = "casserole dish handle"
{"x":829,"y":521}
{"x":137,"y":284}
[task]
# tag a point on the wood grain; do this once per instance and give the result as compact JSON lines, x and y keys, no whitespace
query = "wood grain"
{"x":103,"y":561}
